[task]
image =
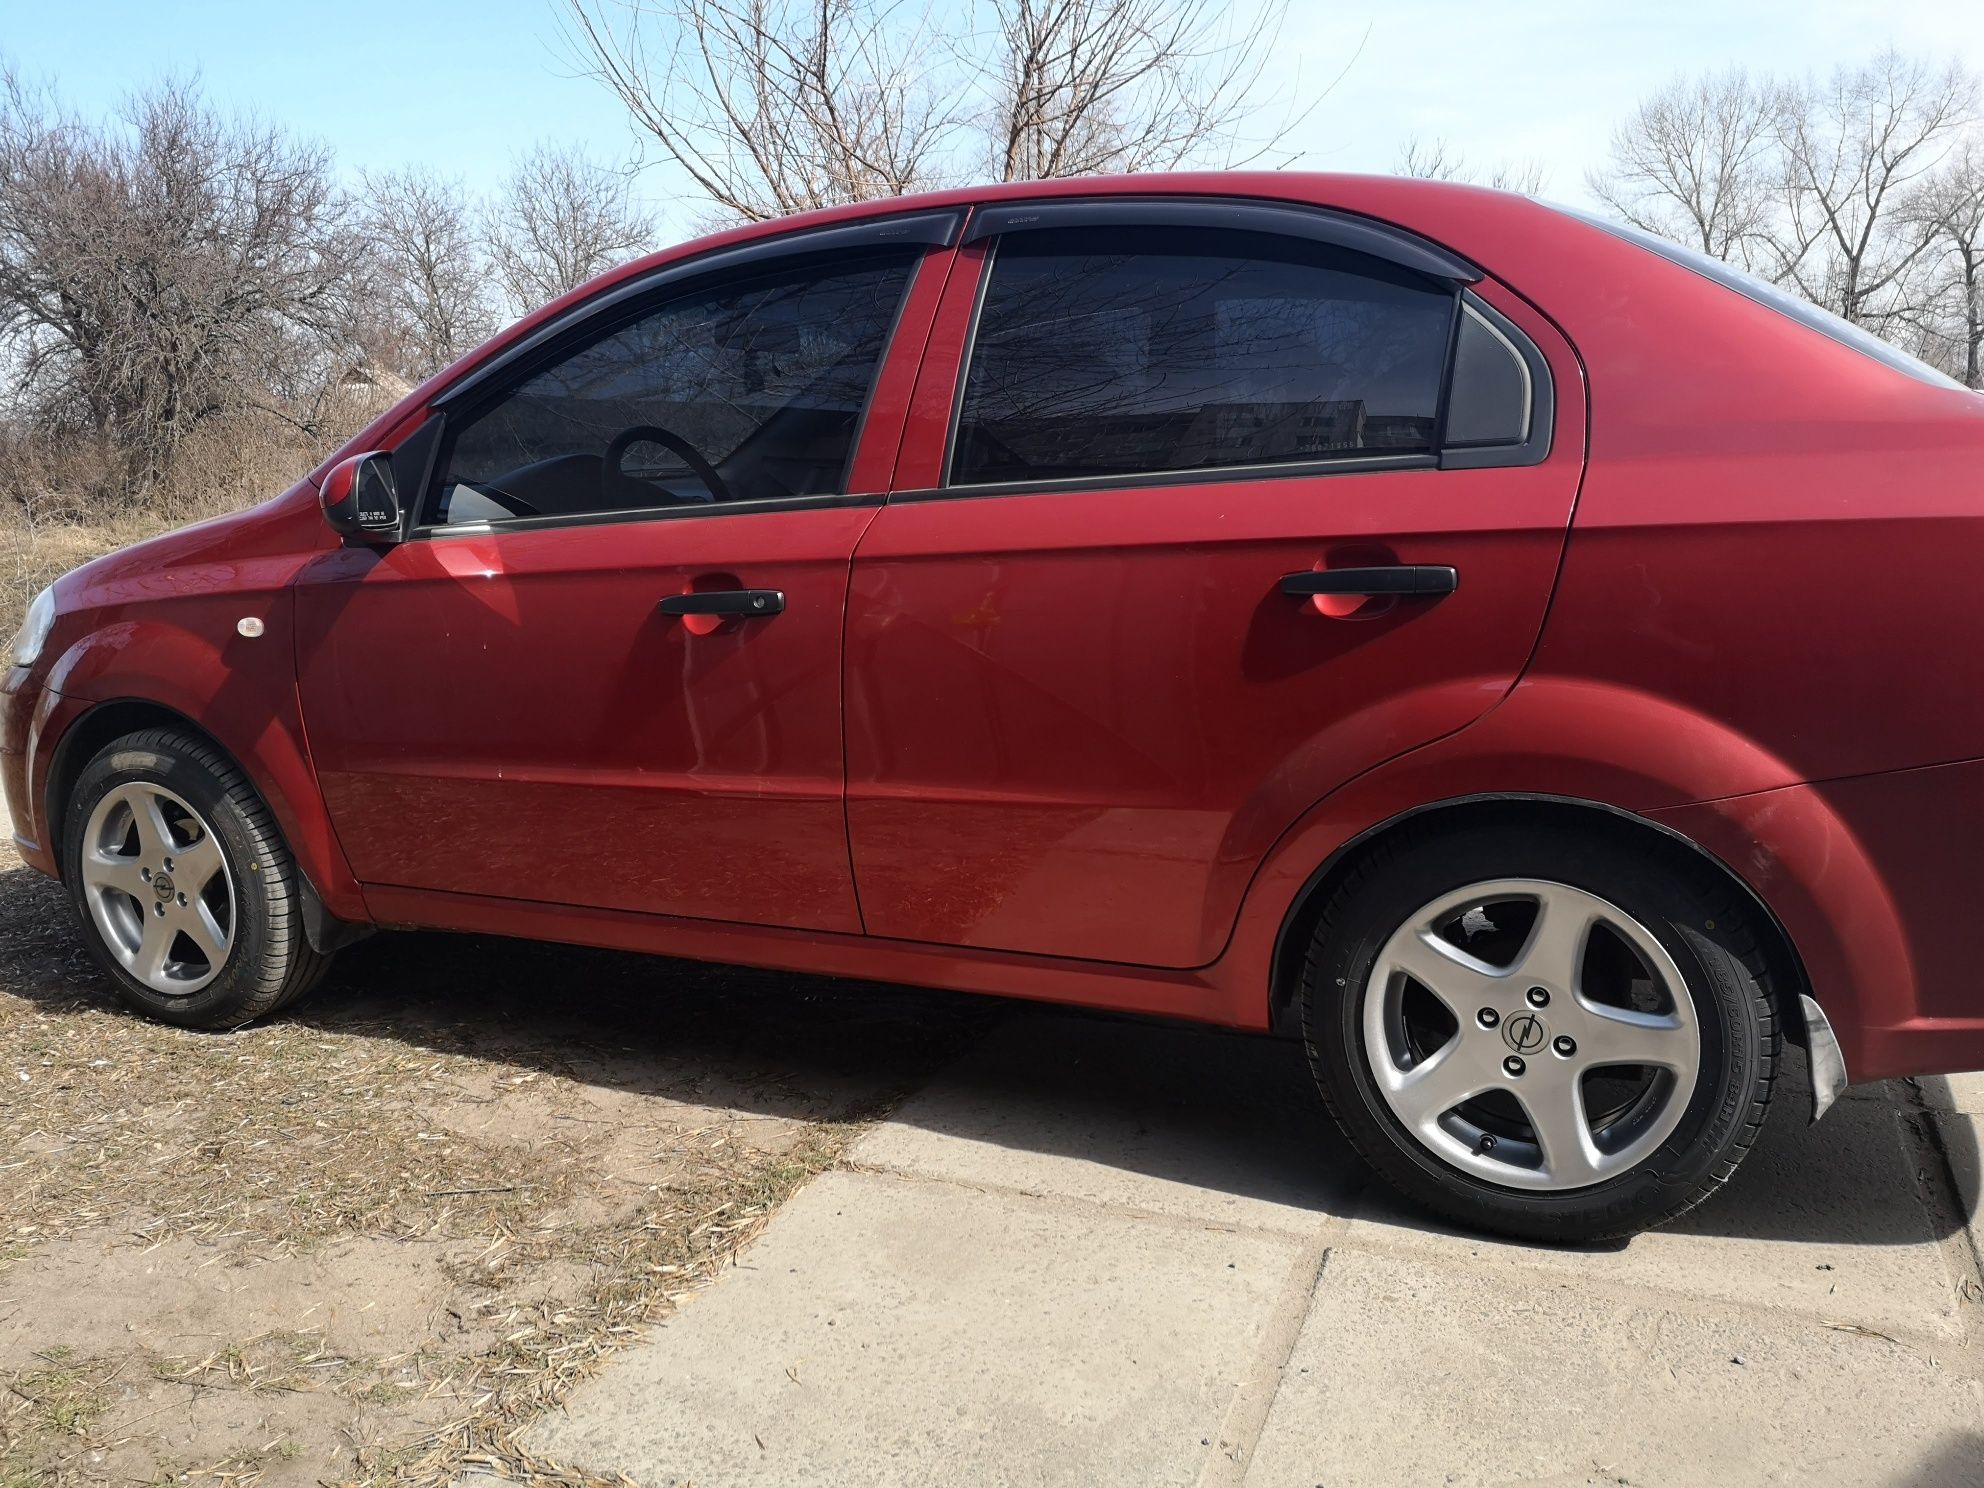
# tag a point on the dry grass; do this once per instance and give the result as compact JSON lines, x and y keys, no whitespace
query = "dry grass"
{"x":34,"y":554}
{"x":65,"y":1394}
{"x":59,"y":506}
{"x":565,"y":1142}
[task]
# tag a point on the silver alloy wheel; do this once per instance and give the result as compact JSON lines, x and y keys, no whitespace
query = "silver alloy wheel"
{"x":158,"y":888}
{"x":1531,"y":1025}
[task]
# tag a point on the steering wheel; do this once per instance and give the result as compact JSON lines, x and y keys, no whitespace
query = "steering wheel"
{"x":516,"y":506}
{"x":626,"y":439}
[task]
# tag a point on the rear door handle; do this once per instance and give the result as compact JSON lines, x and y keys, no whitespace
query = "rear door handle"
{"x":739,"y":602}
{"x":1411,"y":580}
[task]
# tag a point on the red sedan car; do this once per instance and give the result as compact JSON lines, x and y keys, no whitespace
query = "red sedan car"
{"x":1535,"y":664}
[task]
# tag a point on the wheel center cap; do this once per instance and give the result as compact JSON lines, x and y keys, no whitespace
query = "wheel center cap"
{"x":162,"y":884}
{"x":1525,"y":1033}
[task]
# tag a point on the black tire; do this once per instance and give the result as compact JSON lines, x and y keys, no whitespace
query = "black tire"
{"x":270,"y":962}
{"x":1696,"y":918}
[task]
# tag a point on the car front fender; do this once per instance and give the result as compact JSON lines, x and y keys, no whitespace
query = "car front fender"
{"x":235,"y":683}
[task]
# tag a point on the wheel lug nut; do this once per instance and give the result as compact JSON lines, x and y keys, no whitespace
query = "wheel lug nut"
{"x":168,"y":866}
{"x":145,"y":874}
{"x":1488,"y":1017}
{"x":159,"y":910}
{"x":1565,"y":1045}
{"x":1538,"y":997}
{"x":1513,"y":1065}
{"x":182,"y":905}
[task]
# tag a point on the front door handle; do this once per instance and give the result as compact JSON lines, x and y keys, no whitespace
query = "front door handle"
{"x":1406,"y":580}
{"x":744,"y":603}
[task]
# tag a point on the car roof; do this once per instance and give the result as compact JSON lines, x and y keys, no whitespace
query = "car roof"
{"x":1393,"y":198}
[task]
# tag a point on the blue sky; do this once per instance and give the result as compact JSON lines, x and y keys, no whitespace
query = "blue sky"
{"x":463,"y":84}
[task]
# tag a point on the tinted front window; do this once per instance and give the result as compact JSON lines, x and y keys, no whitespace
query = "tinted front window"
{"x":1104,"y":351}
{"x":741,"y":391}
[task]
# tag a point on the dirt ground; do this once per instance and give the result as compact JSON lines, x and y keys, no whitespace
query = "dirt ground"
{"x":367,"y":1242}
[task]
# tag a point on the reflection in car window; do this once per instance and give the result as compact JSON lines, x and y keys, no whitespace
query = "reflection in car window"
{"x":743,"y":391}
{"x":1102,"y":351}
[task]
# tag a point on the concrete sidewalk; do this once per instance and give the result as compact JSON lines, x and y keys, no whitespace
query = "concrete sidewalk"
{"x":1107,"y":1252}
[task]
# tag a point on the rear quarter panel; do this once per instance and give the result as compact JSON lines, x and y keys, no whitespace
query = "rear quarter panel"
{"x":1776,"y":532}
{"x":1765,"y":631}
{"x":1780,"y":537}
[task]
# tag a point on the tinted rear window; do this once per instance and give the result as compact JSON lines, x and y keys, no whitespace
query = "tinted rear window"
{"x":1101,"y":352}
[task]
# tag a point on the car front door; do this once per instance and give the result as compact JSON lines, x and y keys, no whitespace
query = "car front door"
{"x":1125,"y":617}
{"x":603,"y":669}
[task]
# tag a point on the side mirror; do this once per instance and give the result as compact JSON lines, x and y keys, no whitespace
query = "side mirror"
{"x":361,"y":498}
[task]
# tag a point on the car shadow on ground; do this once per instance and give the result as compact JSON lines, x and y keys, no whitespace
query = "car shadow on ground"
{"x":1238,"y":1113}
{"x":1957,"y":1459}
{"x":1231,"y":1113}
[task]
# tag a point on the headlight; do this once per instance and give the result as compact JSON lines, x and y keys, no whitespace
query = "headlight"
{"x":34,"y":630}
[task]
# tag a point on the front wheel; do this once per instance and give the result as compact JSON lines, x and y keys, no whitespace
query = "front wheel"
{"x":1542,"y":1033}
{"x":186,"y":893}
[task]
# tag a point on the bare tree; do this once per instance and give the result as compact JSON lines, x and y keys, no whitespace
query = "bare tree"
{"x":163,"y":271}
{"x":1440,"y":162}
{"x":433,"y":284}
{"x":1851,"y":149}
{"x":780,"y":106}
{"x":776,"y":106}
{"x":1526,"y":177}
{"x":1698,"y":162}
{"x":1083,"y":87}
{"x":560,"y":220}
{"x":1429,"y":162}
{"x":1951,"y":207}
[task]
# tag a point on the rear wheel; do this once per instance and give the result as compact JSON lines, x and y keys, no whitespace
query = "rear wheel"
{"x":185,"y":891}
{"x":1540,"y":1032}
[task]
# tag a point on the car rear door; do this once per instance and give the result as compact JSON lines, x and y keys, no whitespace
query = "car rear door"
{"x":1087,"y":686}
{"x":603,"y":669}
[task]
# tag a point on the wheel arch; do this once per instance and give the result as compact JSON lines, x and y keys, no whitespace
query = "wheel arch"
{"x":102,"y":723}
{"x":1787,"y":980}
{"x":86,"y":737}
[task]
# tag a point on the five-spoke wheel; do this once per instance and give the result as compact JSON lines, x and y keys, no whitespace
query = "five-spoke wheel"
{"x":157,"y":887}
{"x":1531,"y":1032}
{"x":186,"y":890}
{"x":1561,"y":1032}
